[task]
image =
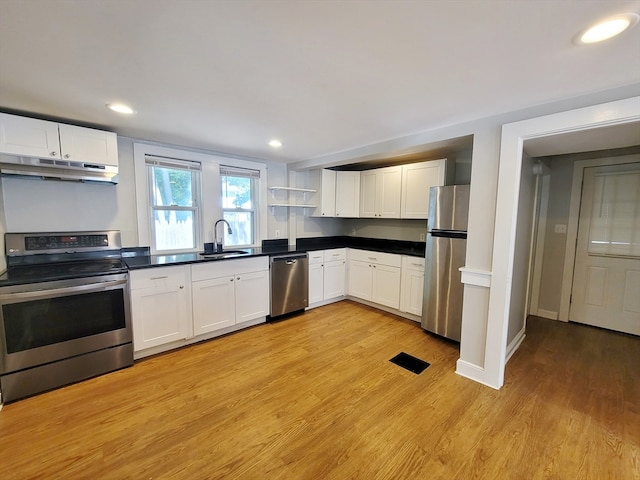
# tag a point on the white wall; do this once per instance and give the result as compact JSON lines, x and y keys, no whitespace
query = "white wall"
{"x":393,"y":229}
{"x":522,"y":254}
{"x":484,"y":181}
{"x":32,"y":205}
{"x":561,"y":177}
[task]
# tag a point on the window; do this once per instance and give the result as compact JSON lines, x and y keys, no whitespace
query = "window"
{"x":239,"y":204}
{"x":173,"y":187}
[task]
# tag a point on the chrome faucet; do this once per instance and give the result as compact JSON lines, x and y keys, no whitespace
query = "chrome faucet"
{"x":217,"y":246}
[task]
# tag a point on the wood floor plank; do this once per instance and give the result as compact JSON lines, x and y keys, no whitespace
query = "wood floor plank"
{"x":315,"y":396}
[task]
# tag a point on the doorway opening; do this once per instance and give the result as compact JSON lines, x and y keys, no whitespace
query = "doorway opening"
{"x":582,"y":124}
{"x":555,"y":258}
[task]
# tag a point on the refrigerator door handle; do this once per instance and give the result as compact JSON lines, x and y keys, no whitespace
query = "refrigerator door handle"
{"x":449,"y":234}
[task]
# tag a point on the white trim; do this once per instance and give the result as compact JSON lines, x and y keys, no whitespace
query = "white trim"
{"x":515,"y":343}
{"x":211,"y":207}
{"x":472,"y":372}
{"x":472,"y":276}
{"x":539,"y":246}
{"x":546,"y":314}
{"x":572,"y":225}
{"x":137,"y":355}
{"x":510,"y":166}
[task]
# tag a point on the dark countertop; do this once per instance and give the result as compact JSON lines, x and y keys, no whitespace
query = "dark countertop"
{"x":279,"y":247}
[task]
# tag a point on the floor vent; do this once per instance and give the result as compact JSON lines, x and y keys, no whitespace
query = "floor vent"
{"x":410,"y":363}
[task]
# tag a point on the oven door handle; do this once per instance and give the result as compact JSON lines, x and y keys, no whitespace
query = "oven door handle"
{"x":63,"y":291}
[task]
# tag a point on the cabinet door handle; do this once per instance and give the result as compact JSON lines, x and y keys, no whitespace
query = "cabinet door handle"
{"x":53,"y":154}
{"x":67,"y":155}
{"x":231,"y":279}
{"x":181,"y":287}
{"x":238,"y":278}
{"x":159,"y":278}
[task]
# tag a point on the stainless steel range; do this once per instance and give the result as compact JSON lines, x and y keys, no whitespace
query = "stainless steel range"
{"x":64,"y":310}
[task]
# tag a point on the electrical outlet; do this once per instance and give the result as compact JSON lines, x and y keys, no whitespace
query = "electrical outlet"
{"x":560,"y":228}
{"x":422,"y":237}
{"x":277,"y":233}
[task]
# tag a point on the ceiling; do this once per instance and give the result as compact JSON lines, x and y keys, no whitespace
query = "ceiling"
{"x":322,"y":76}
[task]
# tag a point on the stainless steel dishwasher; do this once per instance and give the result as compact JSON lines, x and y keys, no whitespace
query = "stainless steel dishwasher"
{"x":289,"y":283}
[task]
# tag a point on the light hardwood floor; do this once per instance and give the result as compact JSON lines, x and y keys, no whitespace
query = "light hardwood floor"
{"x":315,"y":397}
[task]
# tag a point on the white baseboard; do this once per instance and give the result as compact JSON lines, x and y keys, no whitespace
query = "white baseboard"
{"x":547,"y":314}
{"x":515,"y":344}
{"x":472,"y":372}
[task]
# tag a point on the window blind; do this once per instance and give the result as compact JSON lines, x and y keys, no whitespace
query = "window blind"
{"x":229,"y":171}
{"x":166,"y":162}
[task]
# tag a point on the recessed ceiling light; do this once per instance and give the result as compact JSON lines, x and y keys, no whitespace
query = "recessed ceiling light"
{"x":121,"y":108}
{"x":275,"y":143}
{"x":607,"y":28}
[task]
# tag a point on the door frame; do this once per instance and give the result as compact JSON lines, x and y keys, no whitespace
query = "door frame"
{"x":510,"y":167}
{"x":572,"y":225}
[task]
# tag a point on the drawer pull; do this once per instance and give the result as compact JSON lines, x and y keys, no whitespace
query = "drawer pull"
{"x":159,"y":278}
{"x":416,"y":264}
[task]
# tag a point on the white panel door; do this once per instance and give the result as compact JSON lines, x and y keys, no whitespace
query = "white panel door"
{"x":158,"y":316}
{"x":29,"y":137}
{"x":252,"y":296}
{"x":328,"y":193}
{"x":89,"y":145}
{"x":347,"y":194}
{"x":606,"y":285}
{"x":316,"y":283}
{"x":213,"y":305}
{"x":417,"y":179}
{"x":412,"y":290}
{"x":368,"y":192}
{"x":334,"y":274}
{"x":390,"y":181}
{"x":386,"y":285}
{"x":360,"y":279}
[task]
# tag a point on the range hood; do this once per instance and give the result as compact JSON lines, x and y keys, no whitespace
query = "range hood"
{"x":50,"y":169}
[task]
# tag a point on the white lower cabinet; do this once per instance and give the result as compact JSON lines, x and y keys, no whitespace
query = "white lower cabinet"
{"x":327,"y":272}
{"x":375,"y":277}
{"x":160,"y":305}
{"x":176,"y":305}
{"x":412,"y":286}
{"x":316,"y":276}
{"x":229,"y":293}
{"x":335,"y":270}
{"x":214,"y":305}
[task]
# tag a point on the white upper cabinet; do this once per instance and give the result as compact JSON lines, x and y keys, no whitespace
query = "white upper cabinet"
{"x":417,"y":179}
{"x":327,"y":203}
{"x":88,"y":145}
{"x":30,"y":137}
{"x":347,"y":194}
{"x":380,"y":192}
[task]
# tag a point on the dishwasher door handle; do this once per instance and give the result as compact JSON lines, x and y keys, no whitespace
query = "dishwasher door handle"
{"x":291,"y":261}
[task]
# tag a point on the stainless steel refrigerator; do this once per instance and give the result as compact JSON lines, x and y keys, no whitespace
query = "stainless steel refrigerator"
{"x":445,"y":254}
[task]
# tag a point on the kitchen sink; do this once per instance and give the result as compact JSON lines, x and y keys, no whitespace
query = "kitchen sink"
{"x":224,"y":254}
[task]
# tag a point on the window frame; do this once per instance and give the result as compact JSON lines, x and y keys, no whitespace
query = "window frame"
{"x":254,"y":177}
{"x":195,"y":169}
{"x":210,"y":191}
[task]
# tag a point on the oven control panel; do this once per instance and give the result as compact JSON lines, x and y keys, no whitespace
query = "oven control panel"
{"x":65,"y":241}
{"x":35,"y":243}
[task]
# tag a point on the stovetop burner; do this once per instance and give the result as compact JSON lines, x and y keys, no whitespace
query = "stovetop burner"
{"x":61,"y":271}
{"x":44,"y":257}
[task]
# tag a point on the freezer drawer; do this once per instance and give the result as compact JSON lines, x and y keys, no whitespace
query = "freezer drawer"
{"x":289,"y":284}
